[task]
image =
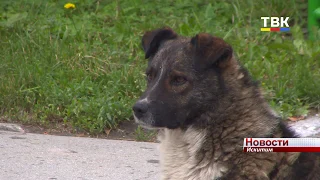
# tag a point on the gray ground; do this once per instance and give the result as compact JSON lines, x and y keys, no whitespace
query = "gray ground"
{"x":37,"y":156}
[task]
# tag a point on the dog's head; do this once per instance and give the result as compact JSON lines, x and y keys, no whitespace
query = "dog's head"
{"x":184,"y":77}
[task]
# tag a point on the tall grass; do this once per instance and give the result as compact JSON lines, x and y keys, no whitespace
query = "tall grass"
{"x":85,"y":66}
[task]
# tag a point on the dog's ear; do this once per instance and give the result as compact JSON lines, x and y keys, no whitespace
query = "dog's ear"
{"x":151,"y":40}
{"x":212,"y":51}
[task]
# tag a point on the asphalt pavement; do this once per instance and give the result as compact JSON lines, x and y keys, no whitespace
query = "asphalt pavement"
{"x":39,"y":157}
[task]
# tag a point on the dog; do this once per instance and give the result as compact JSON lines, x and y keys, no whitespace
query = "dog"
{"x":204,"y":103}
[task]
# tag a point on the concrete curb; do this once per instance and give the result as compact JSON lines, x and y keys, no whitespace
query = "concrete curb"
{"x":309,"y":127}
{"x":11,"y":127}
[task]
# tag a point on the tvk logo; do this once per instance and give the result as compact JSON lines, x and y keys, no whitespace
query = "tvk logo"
{"x":275,"y":24}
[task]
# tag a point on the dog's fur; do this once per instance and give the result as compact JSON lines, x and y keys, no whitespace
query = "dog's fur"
{"x":205,"y":103}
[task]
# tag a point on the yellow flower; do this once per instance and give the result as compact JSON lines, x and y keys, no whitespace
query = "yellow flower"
{"x":69,"y":6}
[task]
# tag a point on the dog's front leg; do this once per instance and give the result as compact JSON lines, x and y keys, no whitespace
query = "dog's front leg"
{"x":239,"y":174}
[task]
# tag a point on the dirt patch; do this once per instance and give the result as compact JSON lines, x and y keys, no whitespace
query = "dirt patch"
{"x":127,"y":130}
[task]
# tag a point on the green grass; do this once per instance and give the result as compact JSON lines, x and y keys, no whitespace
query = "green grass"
{"x":85,"y":66}
{"x":144,"y":134}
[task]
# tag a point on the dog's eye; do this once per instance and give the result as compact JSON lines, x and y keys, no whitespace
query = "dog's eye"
{"x":178,"y":81}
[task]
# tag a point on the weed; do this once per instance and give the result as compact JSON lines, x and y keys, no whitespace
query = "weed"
{"x":144,"y":135}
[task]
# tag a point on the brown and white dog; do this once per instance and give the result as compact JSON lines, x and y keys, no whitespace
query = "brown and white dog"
{"x":205,"y":103}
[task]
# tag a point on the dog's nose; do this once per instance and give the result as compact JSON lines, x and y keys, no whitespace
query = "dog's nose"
{"x":139,"y":109}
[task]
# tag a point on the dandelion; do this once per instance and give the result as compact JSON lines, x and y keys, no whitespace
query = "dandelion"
{"x":69,"y":13}
{"x":69,"y":6}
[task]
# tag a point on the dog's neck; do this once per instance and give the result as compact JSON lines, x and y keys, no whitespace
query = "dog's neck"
{"x":204,"y":151}
{"x":182,"y":155}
